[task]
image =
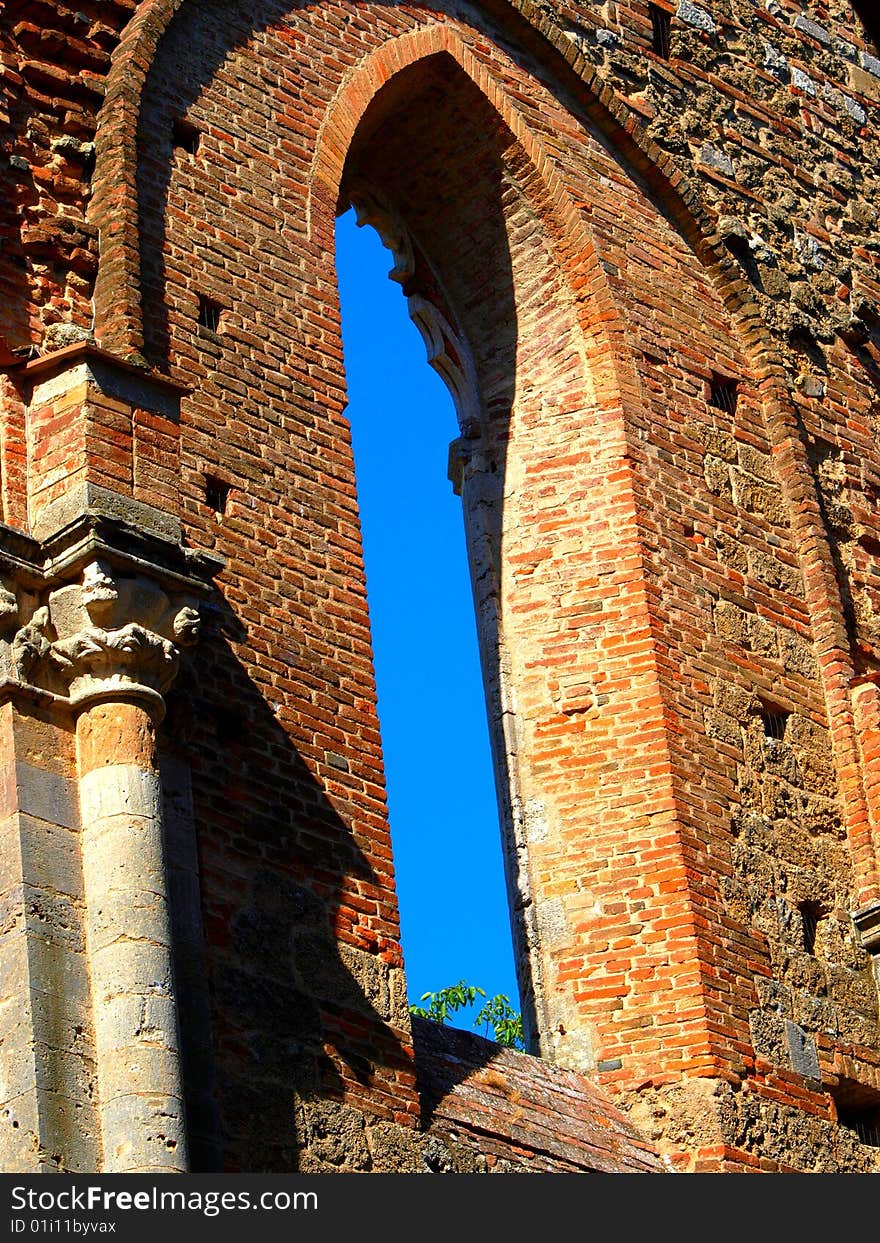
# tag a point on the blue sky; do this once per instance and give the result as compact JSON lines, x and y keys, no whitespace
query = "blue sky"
{"x":444,"y":817}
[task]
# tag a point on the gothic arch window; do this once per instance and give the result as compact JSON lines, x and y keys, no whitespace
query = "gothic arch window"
{"x":443,"y":808}
{"x":499,"y":328}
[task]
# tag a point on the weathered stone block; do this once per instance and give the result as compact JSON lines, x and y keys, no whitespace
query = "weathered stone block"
{"x":130,"y":966}
{"x":147,"y":1137}
{"x":19,"y":1135}
{"x":119,"y":789}
{"x":50,"y":856}
{"x":802,"y":1051}
{"x":47,"y":796}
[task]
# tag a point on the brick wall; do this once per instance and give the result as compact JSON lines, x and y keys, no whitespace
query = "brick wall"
{"x":652,"y":282}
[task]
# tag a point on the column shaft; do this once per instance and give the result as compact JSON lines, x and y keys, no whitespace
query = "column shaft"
{"x":129,"y":938}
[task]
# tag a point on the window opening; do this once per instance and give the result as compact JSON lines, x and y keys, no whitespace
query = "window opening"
{"x":209,"y":314}
{"x":774,"y":720}
{"x":185,"y":136}
{"x":723,"y":393}
{"x":441,"y":790}
{"x":867,"y":1127}
{"x":661,"y":27}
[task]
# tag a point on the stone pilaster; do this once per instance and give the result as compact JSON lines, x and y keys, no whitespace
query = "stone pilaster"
{"x":48,"y":1114}
{"x":98,"y":595}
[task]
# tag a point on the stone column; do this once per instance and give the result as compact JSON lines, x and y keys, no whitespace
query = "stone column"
{"x":129,"y":938}
{"x":117,"y":676}
{"x":482,"y":496}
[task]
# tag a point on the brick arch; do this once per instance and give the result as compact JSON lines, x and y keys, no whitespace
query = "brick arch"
{"x":599,"y":320}
{"x":114,"y":206}
{"x":448,"y":353}
{"x":590,"y":321}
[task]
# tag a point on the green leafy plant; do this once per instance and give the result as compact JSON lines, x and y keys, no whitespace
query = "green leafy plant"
{"x":445,"y":1002}
{"x":505,"y":1022}
{"x":497,"y":1012}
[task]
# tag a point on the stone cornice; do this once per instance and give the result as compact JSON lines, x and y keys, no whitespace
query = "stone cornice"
{"x":867,"y":924}
{"x":40,"y":368}
{"x":93,"y":536}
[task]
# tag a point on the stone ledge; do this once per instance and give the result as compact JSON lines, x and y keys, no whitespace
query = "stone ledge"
{"x":95,"y":534}
{"x":516,"y":1107}
{"x":867,"y":923}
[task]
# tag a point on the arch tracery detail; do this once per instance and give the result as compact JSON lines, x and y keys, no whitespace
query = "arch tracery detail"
{"x":448,"y":352}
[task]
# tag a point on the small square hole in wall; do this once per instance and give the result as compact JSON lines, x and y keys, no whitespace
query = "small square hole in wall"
{"x":217,"y":494}
{"x":742,"y":252}
{"x":210,"y":313}
{"x":185,"y":136}
{"x":812,"y":913}
{"x":858,"y":1109}
{"x":739,"y":248}
{"x":867,"y":1127}
{"x":230,"y":727}
{"x":773,"y":720}
{"x":723,"y":393}
{"x":661,"y":25}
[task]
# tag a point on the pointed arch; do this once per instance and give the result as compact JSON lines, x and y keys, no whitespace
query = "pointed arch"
{"x":448,"y":353}
{"x":600,"y":321}
{"x":577,"y":315}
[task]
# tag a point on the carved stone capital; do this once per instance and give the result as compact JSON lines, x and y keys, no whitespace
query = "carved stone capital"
{"x":469,"y":457}
{"x":30,"y":645}
{"x":104,"y":663}
{"x":105,"y":636}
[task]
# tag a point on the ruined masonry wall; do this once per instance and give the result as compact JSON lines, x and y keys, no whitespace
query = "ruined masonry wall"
{"x":681,"y":599}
